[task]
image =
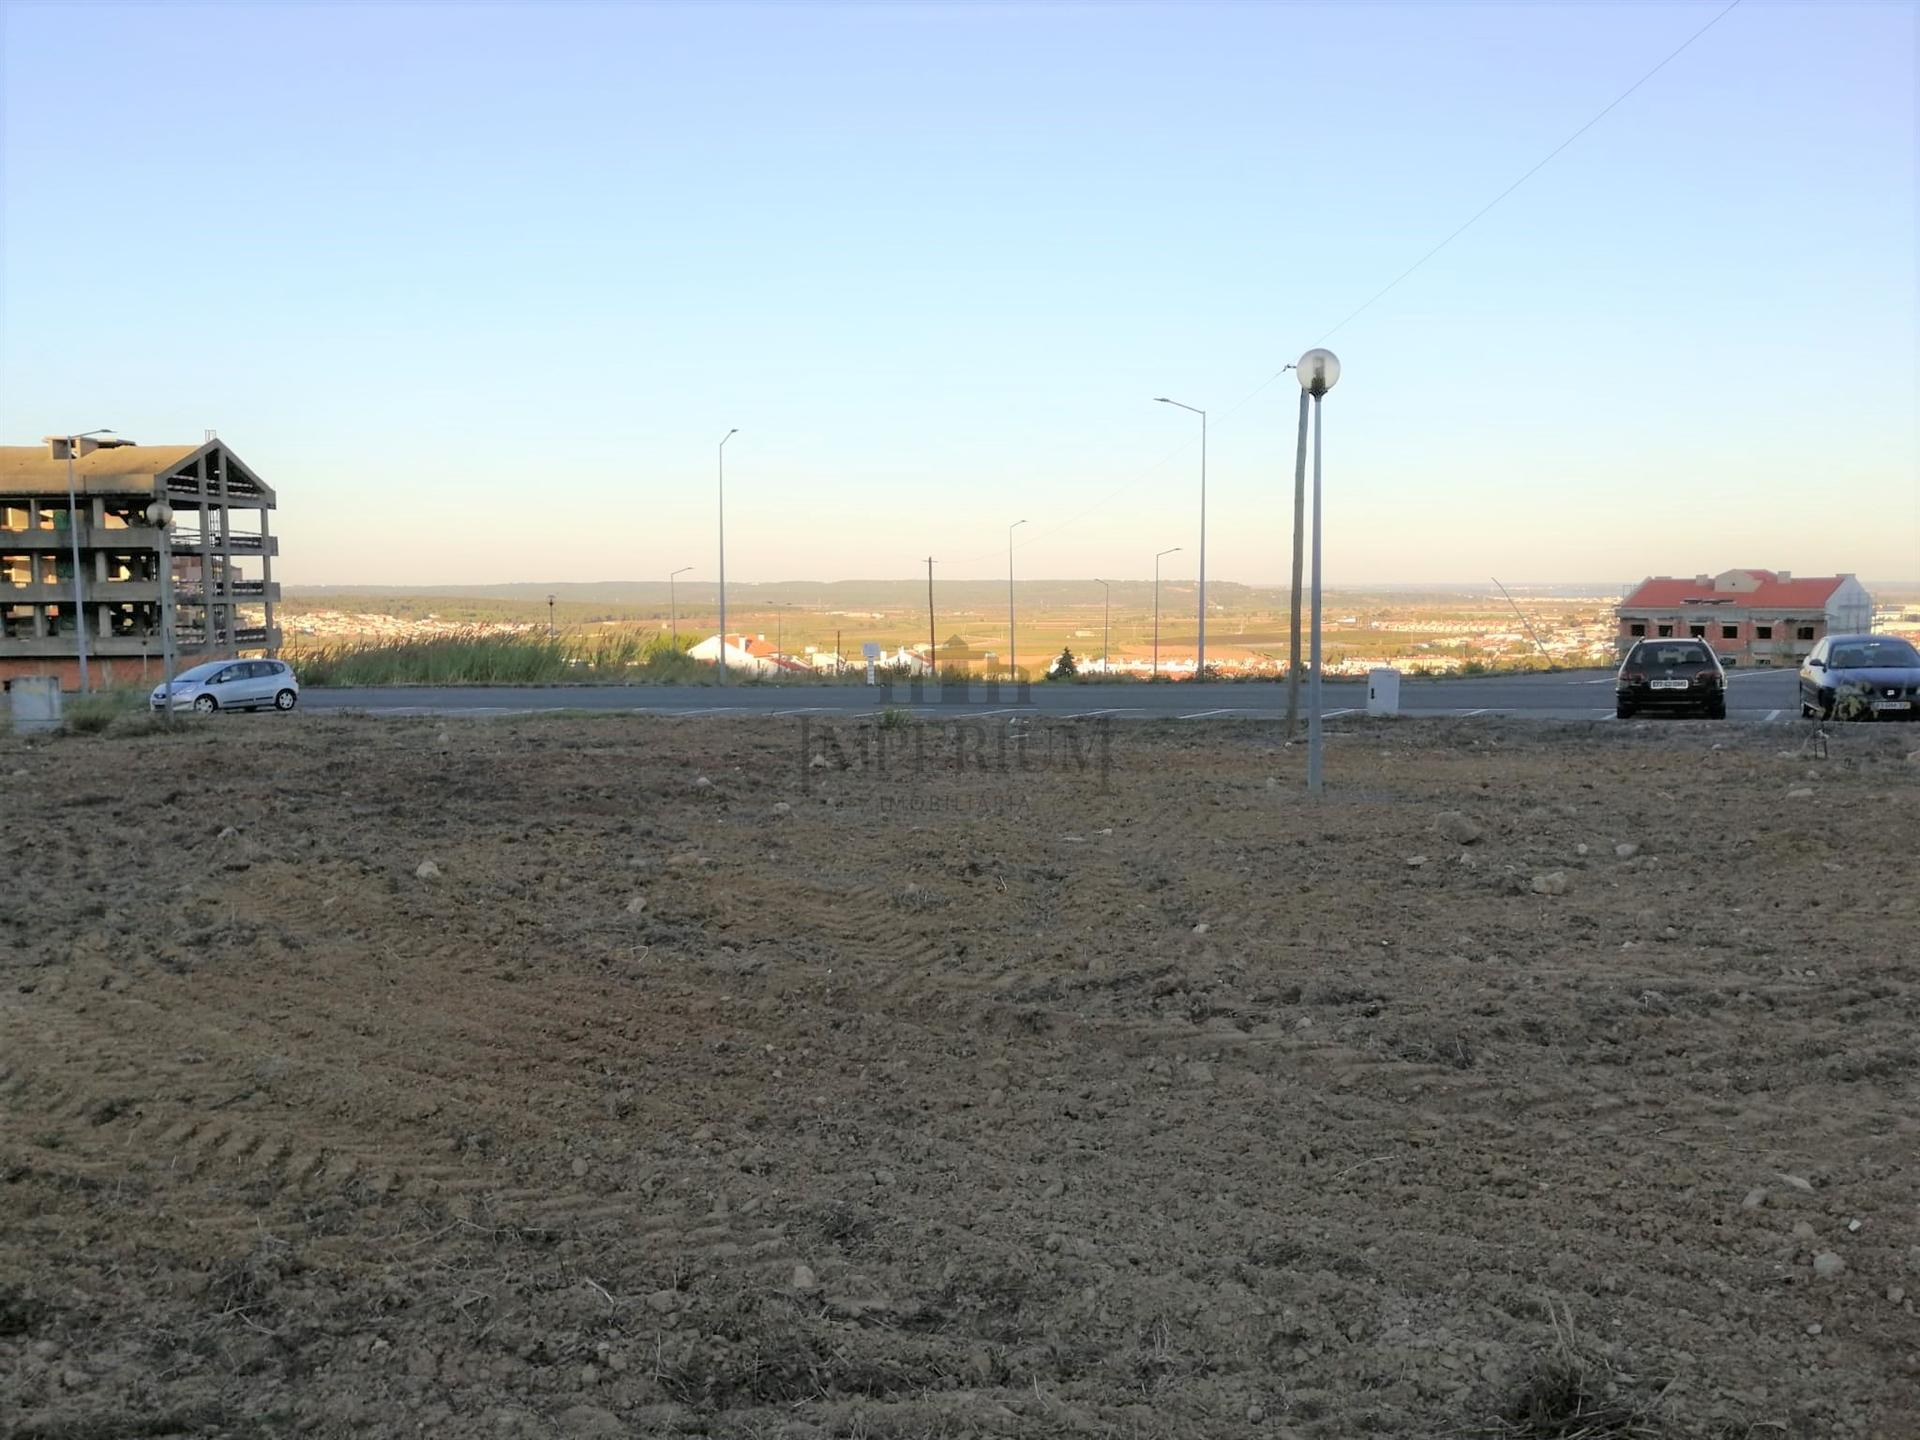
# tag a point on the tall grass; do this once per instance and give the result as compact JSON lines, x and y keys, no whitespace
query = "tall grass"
{"x":102,"y":710}
{"x":490,"y":658}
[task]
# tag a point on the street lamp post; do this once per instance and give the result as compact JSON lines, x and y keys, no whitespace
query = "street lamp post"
{"x":1106,"y":630}
{"x":550,"y":617}
{"x":673,"y":603}
{"x":160,"y":514}
{"x":1200,"y":665}
{"x":1156,"y":609}
{"x":1013,"y":664}
{"x":73,"y":535}
{"x":722,"y":452}
{"x":1299,"y":544}
{"x":1319,"y":371}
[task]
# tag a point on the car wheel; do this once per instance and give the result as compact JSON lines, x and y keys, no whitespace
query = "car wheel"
{"x":285,"y":700}
{"x":206,"y":704}
{"x":1717,"y":710}
{"x":1823,"y":706}
{"x":1622,"y":710}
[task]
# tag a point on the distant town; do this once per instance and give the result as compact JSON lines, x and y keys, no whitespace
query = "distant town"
{"x":800,"y":628}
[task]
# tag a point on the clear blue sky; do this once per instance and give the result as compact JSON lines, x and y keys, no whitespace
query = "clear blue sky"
{"x":480,"y":288}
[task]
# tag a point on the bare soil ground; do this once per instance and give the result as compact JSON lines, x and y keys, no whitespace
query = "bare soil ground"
{"x":704,"y":1091}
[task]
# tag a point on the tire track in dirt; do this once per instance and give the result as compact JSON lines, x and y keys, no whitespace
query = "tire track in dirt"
{"x":77,"y":1069}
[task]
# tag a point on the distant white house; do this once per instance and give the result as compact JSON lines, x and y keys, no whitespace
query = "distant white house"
{"x":749,"y":654}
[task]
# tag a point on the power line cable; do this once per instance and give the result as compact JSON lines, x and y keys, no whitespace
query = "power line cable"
{"x":1538,"y":166}
{"x":1224,"y":415}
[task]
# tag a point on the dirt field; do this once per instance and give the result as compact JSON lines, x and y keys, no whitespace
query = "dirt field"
{"x":702,"y":1090}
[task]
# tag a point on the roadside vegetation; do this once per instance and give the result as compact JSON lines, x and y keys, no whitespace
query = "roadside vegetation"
{"x":121,"y":710}
{"x":495,"y":659}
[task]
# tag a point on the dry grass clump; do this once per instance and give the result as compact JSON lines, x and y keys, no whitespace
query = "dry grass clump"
{"x":1566,"y":1398}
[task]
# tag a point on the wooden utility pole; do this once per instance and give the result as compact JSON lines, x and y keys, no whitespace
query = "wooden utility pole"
{"x":933,"y":665}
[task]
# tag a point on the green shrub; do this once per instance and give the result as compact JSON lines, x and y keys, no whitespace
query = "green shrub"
{"x":95,"y":713}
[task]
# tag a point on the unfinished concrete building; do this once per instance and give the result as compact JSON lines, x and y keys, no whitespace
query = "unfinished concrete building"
{"x":222,"y":546}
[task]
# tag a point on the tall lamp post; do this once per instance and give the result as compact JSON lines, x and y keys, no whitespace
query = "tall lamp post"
{"x":1156,"y":609}
{"x":1013,"y":667}
{"x":673,"y":602}
{"x":1106,"y":629}
{"x":73,"y":535}
{"x":722,"y":452}
{"x":1299,"y":544}
{"x":550,"y":617}
{"x":1319,"y":372}
{"x":160,"y":515}
{"x":1200,"y":666}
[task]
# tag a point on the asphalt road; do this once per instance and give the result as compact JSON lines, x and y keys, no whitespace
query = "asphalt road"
{"x":1753,"y":695}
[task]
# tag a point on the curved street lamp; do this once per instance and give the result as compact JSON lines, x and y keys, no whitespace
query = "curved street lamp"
{"x":1106,"y":632}
{"x":1200,"y":666}
{"x":160,"y":516}
{"x":73,"y":536}
{"x":1156,"y":608}
{"x":1319,"y":372}
{"x":1013,"y":669}
{"x":722,"y":452}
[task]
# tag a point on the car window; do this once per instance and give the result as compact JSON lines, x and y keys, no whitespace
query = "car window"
{"x":221,"y":677}
{"x":1865,"y":654}
{"x":1670,"y":655}
{"x":258,"y":669}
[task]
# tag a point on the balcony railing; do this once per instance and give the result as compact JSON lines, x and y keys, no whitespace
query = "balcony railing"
{"x":241,"y":542}
{"x":195,"y":593}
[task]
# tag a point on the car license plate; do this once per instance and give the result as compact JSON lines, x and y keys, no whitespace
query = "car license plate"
{"x":1669,"y":684}
{"x":1893,"y":705}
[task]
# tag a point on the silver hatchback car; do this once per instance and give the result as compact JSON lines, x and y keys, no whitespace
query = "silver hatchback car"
{"x":232,"y":685}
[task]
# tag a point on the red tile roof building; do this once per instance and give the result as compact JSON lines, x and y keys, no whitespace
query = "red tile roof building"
{"x":1755,"y":617}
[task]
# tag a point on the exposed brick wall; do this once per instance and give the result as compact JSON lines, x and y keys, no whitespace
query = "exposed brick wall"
{"x":103,"y":673}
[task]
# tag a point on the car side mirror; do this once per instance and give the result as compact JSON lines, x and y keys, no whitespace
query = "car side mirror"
{"x":1813,"y":664}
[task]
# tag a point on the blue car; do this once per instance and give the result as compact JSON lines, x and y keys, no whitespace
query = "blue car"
{"x":1861,"y":677}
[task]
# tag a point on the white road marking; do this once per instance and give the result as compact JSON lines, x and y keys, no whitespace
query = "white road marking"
{"x":1772,"y":715}
{"x":804,"y":710}
{"x":1114,"y":710}
{"x":1603,"y":680}
{"x":1471,"y":713}
{"x":1203,"y":714}
{"x":1609,"y":715}
{"x":1330,"y":714}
